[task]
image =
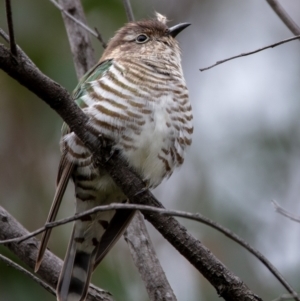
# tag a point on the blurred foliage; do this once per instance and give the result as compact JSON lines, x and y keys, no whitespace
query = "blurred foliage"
{"x":245,"y":152}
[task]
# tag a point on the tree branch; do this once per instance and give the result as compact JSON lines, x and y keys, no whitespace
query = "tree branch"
{"x":17,"y":267}
{"x":13,"y":47}
{"x":145,"y":259}
{"x":95,"y":33}
{"x":251,"y":52}
{"x":193,"y":216}
{"x":285,"y":17}
{"x":27,"y":252}
{"x":128,"y":10}
{"x":83,"y":53}
{"x":285,"y":213}
{"x":284,"y":297}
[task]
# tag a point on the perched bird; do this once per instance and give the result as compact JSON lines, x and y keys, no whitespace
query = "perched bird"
{"x":136,"y":95}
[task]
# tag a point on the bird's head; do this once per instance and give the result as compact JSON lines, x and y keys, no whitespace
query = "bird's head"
{"x":146,"y":39}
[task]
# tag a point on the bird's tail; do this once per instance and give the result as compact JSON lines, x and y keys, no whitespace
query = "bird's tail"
{"x":92,"y":238}
{"x":79,"y":261}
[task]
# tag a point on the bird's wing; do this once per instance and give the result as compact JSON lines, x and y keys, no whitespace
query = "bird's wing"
{"x":65,"y":170}
{"x":65,"y":166}
{"x":94,"y":74}
{"x":116,"y":228}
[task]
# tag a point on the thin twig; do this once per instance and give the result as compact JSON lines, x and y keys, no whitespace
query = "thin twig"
{"x":104,"y":45}
{"x":113,"y":206}
{"x":87,"y":28}
{"x":79,"y":39}
{"x":4,"y":35}
{"x":193,"y":216}
{"x":27,"y":273}
{"x":285,"y":17}
{"x":284,"y":297}
{"x":128,"y":10}
{"x":251,"y":52}
{"x":27,"y":253}
{"x":13,"y":47}
{"x":285,"y":213}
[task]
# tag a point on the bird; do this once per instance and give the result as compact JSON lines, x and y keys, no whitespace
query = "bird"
{"x":136,"y":95}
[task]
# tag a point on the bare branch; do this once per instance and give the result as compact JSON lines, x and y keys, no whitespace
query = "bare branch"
{"x":13,"y":47}
{"x":285,"y":213}
{"x":83,"y":53}
{"x":118,"y":206}
{"x":27,"y":273}
{"x":128,"y":10}
{"x":251,"y":52}
{"x":284,"y":297}
{"x":285,"y":17}
{"x":27,"y":252}
{"x":228,"y":286}
{"x":145,"y":259}
{"x":95,"y":32}
{"x":193,"y":216}
{"x":104,"y":45}
{"x":4,"y":35}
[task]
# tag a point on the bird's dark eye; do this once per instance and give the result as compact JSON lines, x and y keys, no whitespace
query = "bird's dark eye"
{"x":142,"y":38}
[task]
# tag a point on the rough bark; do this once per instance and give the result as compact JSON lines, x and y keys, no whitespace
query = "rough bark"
{"x":79,"y":39}
{"x":27,"y":252}
{"x":145,"y":259}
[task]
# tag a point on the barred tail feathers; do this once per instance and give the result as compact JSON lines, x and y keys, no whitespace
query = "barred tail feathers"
{"x":80,"y":258}
{"x":76,"y":272}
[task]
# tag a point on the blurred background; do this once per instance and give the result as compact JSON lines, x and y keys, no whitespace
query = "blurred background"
{"x":245,"y":151}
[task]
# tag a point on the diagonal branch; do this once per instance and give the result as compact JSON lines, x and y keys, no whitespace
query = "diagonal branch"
{"x":128,"y":10}
{"x":79,"y":39}
{"x":251,"y":52}
{"x":95,"y":32}
{"x":136,"y":242}
{"x":285,"y":213}
{"x":285,"y":17}
{"x":284,"y":297}
{"x":17,"y":267}
{"x":13,"y":47}
{"x":27,"y":252}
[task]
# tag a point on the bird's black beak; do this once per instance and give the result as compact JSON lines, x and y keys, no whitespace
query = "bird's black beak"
{"x":176,"y":29}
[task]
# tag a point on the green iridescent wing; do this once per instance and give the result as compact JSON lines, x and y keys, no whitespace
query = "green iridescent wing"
{"x":83,"y":87}
{"x":95,"y":73}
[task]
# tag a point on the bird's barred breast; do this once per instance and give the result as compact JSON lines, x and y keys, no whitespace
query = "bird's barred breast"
{"x":147,"y":112}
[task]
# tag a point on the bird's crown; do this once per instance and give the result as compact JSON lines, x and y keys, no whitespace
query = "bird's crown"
{"x":144,"y":38}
